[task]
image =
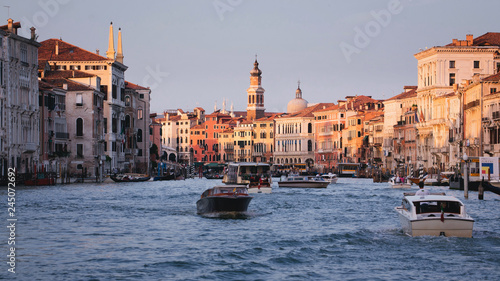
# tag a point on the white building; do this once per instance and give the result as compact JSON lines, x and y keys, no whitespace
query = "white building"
{"x":19,"y":117}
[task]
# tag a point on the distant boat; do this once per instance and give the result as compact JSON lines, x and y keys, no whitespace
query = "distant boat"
{"x":129,"y":177}
{"x":401,"y":184}
{"x":256,"y":176}
{"x":435,"y":214}
{"x":331,"y":178}
{"x":224,"y":198}
{"x":304,"y":181}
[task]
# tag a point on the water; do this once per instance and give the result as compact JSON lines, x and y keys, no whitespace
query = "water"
{"x":150,"y":231}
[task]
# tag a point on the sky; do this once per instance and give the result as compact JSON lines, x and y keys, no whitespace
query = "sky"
{"x":199,"y":52}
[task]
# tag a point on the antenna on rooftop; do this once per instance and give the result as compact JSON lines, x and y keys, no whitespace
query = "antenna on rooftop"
{"x":8,"y":11}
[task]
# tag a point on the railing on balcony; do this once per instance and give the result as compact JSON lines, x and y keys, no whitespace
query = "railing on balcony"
{"x":62,"y":135}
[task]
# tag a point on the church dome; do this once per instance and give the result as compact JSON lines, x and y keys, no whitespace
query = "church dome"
{"x":298,"y":103}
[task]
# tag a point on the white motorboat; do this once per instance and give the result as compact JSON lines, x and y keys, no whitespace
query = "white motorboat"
{"x":435,"y":214}
{"x":397,"y":182}
{"x":304,"y":181}
{"x":331,"y":178}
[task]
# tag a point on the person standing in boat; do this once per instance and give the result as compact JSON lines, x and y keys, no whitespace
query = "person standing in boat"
{"x":422,"y":191}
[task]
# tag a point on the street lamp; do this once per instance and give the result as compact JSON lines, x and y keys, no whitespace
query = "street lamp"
{"x":466,"y":175}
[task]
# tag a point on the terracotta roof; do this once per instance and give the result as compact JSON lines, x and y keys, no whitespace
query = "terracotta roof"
{"x":198,"y":127}
{"x":308,"y":112}
{"x":487,"y":39}
{"x":269,"y":118}
{"x":333,"y":107}
{"x":44,"y":85}
{"x":67,"y":52}
{"x":133,"y":86}
{"x":218,"y":114}
{"x":16,"y":24}
{"x":373,"y":115}
{"x":72,"y":85}
{"x":493,"y":78}
{"x":357,"y":101}
{"x":404,"y":95}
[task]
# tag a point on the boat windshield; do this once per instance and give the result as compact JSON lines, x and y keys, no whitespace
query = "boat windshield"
{"x":436,"y":207}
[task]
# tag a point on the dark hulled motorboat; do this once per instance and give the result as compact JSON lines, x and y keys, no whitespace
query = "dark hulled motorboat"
{"x":130,"y":177}
{"x":225,"y":198}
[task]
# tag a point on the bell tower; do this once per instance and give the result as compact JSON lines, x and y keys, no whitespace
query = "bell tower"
{"x":255,"y":105}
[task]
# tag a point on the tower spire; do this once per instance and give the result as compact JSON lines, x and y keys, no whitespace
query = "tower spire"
{"x":119,"y":53}
{"x":110,"y":53}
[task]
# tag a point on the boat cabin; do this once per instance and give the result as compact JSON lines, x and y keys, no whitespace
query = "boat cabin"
{"x":248,"y":173}
{"x":433,"y":205}
{"x":225,"y":190}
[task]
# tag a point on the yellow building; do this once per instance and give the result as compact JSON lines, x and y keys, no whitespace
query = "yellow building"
{"x":243,"y":141}
{"x":263,"y":145}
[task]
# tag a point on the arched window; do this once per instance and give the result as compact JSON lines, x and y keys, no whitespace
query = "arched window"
{"x":79,"y":127}
{"x":127,"y":121}
{"x":139,"y":135}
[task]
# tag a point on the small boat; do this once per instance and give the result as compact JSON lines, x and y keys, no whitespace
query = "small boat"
{"x":416,"y":180}
{"x":129,"y":177}
{"x":436,"y":214}
{"x":304,"y":181}
{"x":256,"y":176}
{"x":331,"y":178}
{"x":214,"y":176}
{"x":397,"y":182}
{"x":224,"y":198}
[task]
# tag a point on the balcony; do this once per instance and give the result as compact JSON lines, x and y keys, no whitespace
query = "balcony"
{"x":30,"y":147}
{"x":62,"y":135}
{"x":445,"y":150}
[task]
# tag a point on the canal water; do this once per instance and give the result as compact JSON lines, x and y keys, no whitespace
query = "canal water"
{"x":150,"y":231}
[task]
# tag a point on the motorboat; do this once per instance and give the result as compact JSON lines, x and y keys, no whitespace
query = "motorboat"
{"x":129,"y":177}
{"x":224,"y":198}
{"x":397,"y":182}
{"x":255,"y":176}
{"x":304,"y":181}
{"x":436,"y":214}
{"x":331,"y":178}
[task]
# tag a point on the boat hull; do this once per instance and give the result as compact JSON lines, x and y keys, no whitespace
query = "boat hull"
{"x":455,"y":227}
{"x":223,"y":204}
{"x":400,"y":185}
{"x":303,"y":184}
{"x":127,"y":179}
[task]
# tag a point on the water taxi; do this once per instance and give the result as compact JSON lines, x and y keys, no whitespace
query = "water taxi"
{"x":304,"y":181}
{"x":331,"y":178}
{"x":436,"y":214}
{"x":224,"y":198}
{"x":397,"y":182}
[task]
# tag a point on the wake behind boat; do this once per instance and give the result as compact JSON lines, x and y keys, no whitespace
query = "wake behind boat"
{"x":435,"y":214}
{"x":304,"y":181}
{"x":224,"y":198}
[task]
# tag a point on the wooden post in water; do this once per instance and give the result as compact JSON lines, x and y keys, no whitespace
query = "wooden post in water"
{"x":480,"y":189}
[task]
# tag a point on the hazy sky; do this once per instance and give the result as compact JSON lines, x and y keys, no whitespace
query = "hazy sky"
{"x":195,"y":53}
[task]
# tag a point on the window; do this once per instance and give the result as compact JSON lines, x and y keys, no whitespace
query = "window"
{"x":476,"y":64}
{"x":79,"y":150}
{"x":1,"y":72}
{"x":79,"y":100}
{"x":24,"y":53}
{"x":105,"y":121}
{"x":122,"y":94}
{"x":127,"y":121}
{"x":452,"y":64}
{"x":127,"y":101}
{"x":139,"y":135}
{"x":79,"y":127}
{"x":114,"y":125}
{"x":113,"y":91}
{"x":493,"y":90}
{"x":104,"y":90}
{"x":105,"y":146}
{"x":452,"y":79}
{"x":139,"y":114}
{"x":113,"y":146}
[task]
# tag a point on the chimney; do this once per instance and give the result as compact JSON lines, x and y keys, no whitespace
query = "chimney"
{"x":10,"y":25}
{"x":470,"y":39}
{"x":57,"y":48}
{"x":65,"y":86}
{"x":97,"y":51}
{"x":33,"y":35}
